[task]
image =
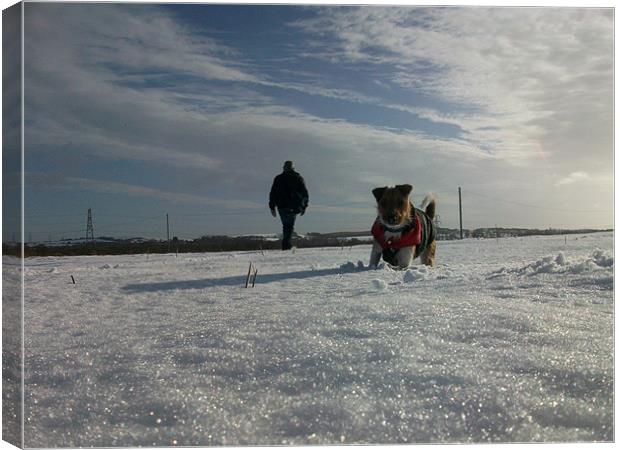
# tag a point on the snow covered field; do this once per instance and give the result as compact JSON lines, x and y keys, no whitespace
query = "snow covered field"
{"x":506,"y":340}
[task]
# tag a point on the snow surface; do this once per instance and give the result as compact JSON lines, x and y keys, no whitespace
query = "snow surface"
{"x":507,"y":340}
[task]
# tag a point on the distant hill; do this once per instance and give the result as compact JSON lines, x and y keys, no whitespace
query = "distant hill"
{"x":137,"y":245}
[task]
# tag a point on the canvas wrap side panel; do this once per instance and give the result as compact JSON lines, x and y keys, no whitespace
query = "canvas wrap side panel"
{"x":12,"y":216}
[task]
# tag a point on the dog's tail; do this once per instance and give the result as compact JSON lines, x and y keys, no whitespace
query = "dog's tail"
{"x":428,"y":205}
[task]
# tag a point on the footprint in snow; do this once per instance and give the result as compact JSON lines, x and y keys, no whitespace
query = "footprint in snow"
{"x":379,"y":285}
{"x":350,"y":266}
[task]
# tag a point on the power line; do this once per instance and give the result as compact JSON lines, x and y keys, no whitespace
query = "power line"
{"x":36,"y":215}
{"x":29,"y":214}
{"x":548,"y":208}
{"x":143,"y":219}
{"x":220,"y":213}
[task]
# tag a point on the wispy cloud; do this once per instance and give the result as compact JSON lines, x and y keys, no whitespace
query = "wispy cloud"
{"x":103,"y":87}
{"x":520,"y":76}
{"x":574,"y":177}
{"x":581,"y":178}
{"x":121,"y":73}
{"x":59,"y":181}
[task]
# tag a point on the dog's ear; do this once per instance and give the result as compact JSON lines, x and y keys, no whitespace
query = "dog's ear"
{"x":378,"y":192}
{"x":404,"y":189}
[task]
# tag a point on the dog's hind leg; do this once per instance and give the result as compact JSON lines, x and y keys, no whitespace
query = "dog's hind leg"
{"x":428,"y":255}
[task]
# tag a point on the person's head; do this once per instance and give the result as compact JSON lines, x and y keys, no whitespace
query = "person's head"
{"x":288,"y":165}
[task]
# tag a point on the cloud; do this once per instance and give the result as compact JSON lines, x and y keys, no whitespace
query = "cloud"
{"x":574,"y":177}
{"x":108,"y":85}
{"x":94,"y":85}
{"x":59,"y":181}
{"x":516,"y":78}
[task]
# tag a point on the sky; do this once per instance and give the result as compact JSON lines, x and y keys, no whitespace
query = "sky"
{"x":141,"y":110}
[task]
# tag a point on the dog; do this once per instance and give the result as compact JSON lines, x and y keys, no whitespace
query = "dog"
{"x":402,"y":232}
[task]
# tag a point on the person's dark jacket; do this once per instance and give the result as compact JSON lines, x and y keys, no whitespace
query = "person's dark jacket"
{"x":289,"y":192}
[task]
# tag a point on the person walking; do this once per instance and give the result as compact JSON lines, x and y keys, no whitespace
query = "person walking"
{"x":288,"y":194}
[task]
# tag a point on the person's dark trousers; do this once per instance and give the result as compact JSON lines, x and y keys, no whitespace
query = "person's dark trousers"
{"x":287,"y":217}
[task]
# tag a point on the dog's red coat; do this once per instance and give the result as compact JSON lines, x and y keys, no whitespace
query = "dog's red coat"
{"x":410,"y":238}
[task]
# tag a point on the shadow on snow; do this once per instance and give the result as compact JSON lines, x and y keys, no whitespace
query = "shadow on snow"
{"x":229,"y":281}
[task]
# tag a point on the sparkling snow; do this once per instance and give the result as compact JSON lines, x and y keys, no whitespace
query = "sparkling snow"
{"x":507,"y":340}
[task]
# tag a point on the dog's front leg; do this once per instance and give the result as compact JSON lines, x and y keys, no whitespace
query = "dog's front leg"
{"x":375,"y":254}
{"x":404,"y":257}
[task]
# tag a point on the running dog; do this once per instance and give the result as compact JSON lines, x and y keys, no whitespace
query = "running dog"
{"x":402,"y":232}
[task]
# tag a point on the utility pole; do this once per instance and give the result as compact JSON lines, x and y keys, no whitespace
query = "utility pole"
{"x":168,"y":231}
{"x":460,"y":213}
{"x":89,"y":226}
